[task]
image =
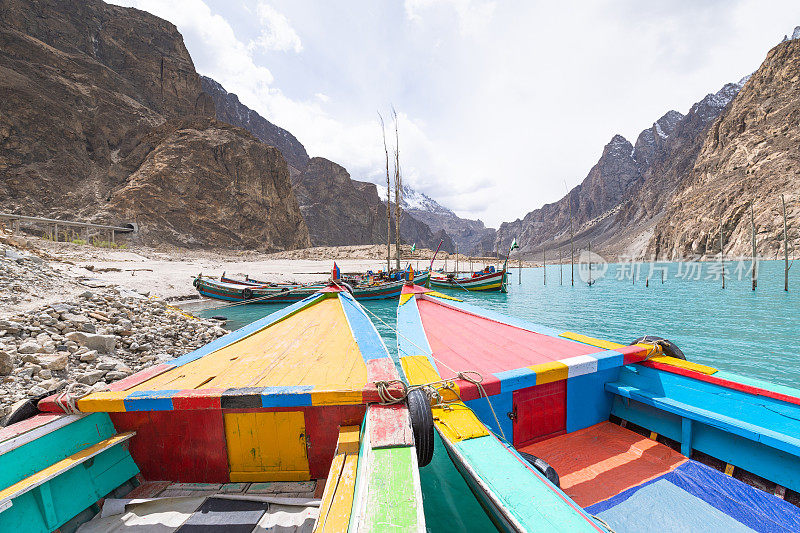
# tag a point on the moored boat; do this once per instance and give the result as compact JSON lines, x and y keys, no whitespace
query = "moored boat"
{"x":236,"y":292}
{"x":488,"y":279}
{"x":590,"y":429}
{"x":240,"y":433}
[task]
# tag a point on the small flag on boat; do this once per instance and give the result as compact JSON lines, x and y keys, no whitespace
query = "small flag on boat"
{"x":336,"y":274}
{"x":514,"y":244}
{"x":413,"y":247}
{"x":410,"y":276}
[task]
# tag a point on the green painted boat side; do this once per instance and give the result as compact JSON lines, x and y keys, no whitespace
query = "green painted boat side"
{"x":392,"y":491}
{"x":529,"y":502}
{"x":21,"y":462}
{"x":53,"y":503}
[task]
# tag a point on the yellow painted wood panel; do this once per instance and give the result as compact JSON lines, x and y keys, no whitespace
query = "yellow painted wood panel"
{"x":591,"y":341}
{"x":550,"y":371}
{"x":313,"y":347}
{"x":457,"y":422}
{"x":337,"y":500}
{"x":267,"y":446}
{"x":688,"y":365}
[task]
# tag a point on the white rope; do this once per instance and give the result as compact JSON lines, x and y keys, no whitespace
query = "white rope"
{"x":385,"y":394}
{"x":68,"y":398}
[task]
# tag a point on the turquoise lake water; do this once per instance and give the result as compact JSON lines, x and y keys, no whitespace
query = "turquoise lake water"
{"x":736,"y":329}
{"x":753,"y":333}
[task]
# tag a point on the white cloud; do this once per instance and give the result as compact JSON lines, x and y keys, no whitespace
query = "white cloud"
{"x":516,"y":97}
{"x":473,"y":15}
{"x":277,"y":33}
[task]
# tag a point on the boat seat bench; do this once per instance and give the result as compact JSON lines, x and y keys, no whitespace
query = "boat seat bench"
{"x":768,"y":437}
{"x":42,"y":477}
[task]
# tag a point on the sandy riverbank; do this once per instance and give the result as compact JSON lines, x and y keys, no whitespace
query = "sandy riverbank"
{"x":168,"y":273}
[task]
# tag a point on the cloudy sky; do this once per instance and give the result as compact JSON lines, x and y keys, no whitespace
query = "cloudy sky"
{"x":500,"y":103}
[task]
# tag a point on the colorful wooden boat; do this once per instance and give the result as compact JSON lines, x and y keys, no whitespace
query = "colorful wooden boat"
{"x":485,"y":280}
{"x":285,"y":401}
{"x":640,"y":440}
{"x":236,"y":292}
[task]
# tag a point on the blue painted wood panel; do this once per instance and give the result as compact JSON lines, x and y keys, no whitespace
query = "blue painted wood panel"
{"x":588,"y":403}
{"x":502,"y":404}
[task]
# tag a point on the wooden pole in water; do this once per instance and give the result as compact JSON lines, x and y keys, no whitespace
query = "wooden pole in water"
{"x":754,"y":272}
{"x":456,"y":259}
{"x":571,"y":246}
{"x":519,"y":271}
{"x":722,"y":252}
{"x":590,"y":262}
{"x":544,"y":265}
{"x":785,"y":248}
{"x":560,"y":269}
{"x":471,"y":270}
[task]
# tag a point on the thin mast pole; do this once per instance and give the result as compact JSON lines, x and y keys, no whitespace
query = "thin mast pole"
{"x":388,"y":203}
{"x":397,"y":185}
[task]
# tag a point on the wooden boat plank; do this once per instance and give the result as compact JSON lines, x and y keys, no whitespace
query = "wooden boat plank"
{"x":337,"y":499}
{"x":25,"y":431}
{"x":58,"y":468}
{"x":468,"y":342}
{"x":392,"y":492}
{"x":747,"y":430}
{"x":277,"y":357}
{"x":390,"y":425}
{"x":523,"y":491}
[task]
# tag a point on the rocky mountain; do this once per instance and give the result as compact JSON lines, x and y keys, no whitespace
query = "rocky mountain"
{"x":343,"y":211}
{"x":471,"y":236}
{"x":337,"y":209}
{"x":103,"y":117}
{"x":229,"y":109}
{"x":627,"y":191}
{"x":748,"y":155}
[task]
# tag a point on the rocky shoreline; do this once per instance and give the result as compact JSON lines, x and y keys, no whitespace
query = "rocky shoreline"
{"x":92,"y":338}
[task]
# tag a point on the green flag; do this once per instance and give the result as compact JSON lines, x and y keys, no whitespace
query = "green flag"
{"x":514,"y":245}
{"x":413,"y":247}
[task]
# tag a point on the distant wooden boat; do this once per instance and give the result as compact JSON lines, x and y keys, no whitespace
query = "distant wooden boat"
{"x":277,"y":406}
{"x":238,"y":292}
{"x":525,"y":404}
{"x":488,"y":280}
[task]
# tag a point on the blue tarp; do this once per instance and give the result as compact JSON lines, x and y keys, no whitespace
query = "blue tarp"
{"x":696,"y":497}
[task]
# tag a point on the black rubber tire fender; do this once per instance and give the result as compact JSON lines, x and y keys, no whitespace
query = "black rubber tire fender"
{"x":347,"y":286}
{"x":669,"y":348}
{"x":247,"y":293}
{"x":542,"y":466}
{"x":419,"y":408}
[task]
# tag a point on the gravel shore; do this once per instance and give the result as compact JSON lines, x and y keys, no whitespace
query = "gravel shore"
{"x":93,"y":337}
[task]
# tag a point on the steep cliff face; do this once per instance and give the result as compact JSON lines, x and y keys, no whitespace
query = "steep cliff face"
{"x":608,"y":184}
{"x":231,"y":110}
{"x":750,"y":154}
{"x":82,"y":84}
{"x":336,"y":210}
{"x":244,"y":199}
